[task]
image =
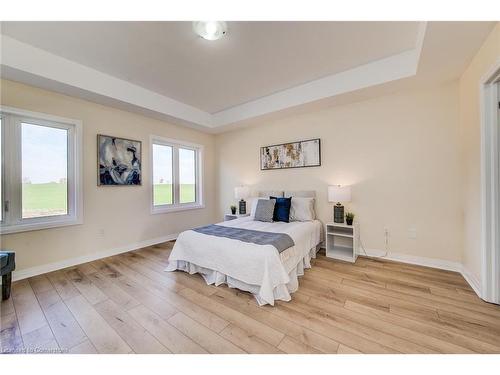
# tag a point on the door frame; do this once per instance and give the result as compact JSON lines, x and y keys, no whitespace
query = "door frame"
{"x":490,"y":186}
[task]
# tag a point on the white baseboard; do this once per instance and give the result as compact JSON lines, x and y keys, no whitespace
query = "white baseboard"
{"x":427,"y":262}
{"x":50,"y":267}
{"x":412,"y":259}
{"x":472,"y":280}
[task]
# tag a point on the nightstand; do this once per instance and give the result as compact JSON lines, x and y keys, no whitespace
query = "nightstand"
{"x":228,"y":217}
{"x":342,"y":241}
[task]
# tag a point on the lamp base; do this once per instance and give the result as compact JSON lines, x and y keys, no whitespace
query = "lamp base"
{"x":242,"y":207}
{"x":338,"y":213}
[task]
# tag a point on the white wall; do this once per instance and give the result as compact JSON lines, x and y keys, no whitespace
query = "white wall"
{"x":122,"y":213}
{"x":399,"y":152}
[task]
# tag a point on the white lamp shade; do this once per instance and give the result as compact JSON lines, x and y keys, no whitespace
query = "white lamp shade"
{"x":241,"y":192}
{"x":210,"y":30}
{"x":337,"y":193}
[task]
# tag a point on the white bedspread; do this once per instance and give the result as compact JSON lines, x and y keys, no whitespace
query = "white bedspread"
{"x":259,"y":269}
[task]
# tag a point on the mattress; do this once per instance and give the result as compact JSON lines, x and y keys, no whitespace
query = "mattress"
{"x":259,"y":269}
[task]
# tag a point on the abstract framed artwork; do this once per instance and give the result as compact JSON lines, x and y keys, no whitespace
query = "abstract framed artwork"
{"x":119,"y":161}
{"x":299,"y":154}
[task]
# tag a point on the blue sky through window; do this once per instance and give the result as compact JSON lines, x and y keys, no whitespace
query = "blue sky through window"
{"x":162,"y":165}
{"x":187,"y":166}
{"x":44,"y":154}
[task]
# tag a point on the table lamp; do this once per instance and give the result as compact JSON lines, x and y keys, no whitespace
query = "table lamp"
{"x":337,"y":193}
{"x":241,"y":193}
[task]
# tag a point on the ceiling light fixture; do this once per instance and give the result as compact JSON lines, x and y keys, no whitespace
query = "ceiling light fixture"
{"x":210,"y":30}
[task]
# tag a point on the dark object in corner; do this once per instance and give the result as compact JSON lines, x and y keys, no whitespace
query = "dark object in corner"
{"x":338,"y":213}
{"x":7,"y":265}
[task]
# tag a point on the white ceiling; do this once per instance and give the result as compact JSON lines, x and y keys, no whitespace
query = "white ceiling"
{"x":254,"y":60}
{"x":164,"y":69}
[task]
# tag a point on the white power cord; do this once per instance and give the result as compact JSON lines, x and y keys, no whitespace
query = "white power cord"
{"x":386,"y":245}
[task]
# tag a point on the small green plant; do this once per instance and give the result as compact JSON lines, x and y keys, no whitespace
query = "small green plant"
{"x":349,"y":216}
{"x":233,"y":209}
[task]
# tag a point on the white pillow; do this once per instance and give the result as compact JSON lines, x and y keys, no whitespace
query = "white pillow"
{"x":302,"y":209}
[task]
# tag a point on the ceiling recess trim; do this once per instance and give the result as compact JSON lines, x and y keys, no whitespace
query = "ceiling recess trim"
{"x":28,"y":64}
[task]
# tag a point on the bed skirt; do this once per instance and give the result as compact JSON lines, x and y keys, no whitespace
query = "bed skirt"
{"x":264,"y":294}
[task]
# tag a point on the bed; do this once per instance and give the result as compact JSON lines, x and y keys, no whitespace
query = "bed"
{"x":257,"y":268}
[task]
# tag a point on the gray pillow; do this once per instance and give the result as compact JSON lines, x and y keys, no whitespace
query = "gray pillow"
{"x":264,"y":210}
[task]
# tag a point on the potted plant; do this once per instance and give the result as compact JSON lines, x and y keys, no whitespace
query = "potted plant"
{"x":349,"y":217}
{"x":233,"y":210}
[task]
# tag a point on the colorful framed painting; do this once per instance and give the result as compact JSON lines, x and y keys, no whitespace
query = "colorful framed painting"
{"x":119,"y":161}
{"x":301,"y":154}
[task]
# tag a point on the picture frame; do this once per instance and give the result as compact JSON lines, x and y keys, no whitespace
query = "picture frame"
{"x":119,"y":161}
{"x":297,"y":154}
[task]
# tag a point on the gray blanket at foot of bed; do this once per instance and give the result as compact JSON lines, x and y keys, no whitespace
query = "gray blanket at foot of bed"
{"x":281,"y":241}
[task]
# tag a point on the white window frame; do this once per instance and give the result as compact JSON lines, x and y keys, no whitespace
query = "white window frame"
{"x":176,"y":144}
{"x":12,"y":164}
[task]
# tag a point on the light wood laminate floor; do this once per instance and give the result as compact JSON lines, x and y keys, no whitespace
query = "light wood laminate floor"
{"x":128,"y":304}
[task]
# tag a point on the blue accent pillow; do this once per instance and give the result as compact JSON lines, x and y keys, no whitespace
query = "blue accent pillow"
{"x":282,"y":209}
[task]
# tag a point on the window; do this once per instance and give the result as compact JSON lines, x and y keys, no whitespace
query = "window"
{"x":187,"y":175}
{"x":176,"y":175}
{"x":163,"y":187}
{"x":40,"y":171}
{"x":44,"y":168}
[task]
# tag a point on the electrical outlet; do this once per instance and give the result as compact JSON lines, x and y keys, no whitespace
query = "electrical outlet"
{"x":412,"y":233}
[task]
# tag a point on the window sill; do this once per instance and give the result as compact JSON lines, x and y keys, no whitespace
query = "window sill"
{"x":176,"y":208}
{"x":26,"y":227}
